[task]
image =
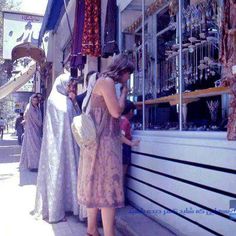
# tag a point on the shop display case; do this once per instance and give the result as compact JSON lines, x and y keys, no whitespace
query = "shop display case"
{"x":183,"y":156}
{"x":169,"y":98}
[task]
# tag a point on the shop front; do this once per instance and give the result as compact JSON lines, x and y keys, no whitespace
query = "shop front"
{"x":69,"y":24}
{"x":183,"y":173}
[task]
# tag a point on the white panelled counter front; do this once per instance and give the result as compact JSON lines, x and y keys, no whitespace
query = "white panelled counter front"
{"x":185,"y":180}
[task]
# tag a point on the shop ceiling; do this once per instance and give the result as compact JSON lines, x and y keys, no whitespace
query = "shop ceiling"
{"x":133,"y":11}
{"x":136,"y":5}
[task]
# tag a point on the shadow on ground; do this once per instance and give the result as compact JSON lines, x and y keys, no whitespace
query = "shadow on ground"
{"x":27,"y":178}
{"x":5,"y":176}
{"x":9,"y":151}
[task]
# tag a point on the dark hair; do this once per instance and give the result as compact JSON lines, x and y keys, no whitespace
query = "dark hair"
{"x":120,"y":65}
{"x":72,"y":81}
{"x":21,"y":113}
{"x":88,"y":75}
{"x":34,"y":96}
{"x":129,"y":106}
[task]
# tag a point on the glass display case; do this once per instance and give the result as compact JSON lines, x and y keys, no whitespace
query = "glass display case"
{"x":167,"y":97}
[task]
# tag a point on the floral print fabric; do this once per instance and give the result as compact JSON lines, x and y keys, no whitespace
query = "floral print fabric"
{"x":91,"y":41}
{"x":228,"y":58}
{"x":30,"y":152}
{"x":57,"y":177}
{"x":100,"y":175}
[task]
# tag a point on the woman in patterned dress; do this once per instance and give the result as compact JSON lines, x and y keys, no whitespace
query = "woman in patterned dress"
{"x":57,"y":178}
{"x":30,"y":152}
{"x":100,"y":177}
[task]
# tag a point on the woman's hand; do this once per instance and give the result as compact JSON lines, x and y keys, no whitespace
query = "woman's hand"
{"x":125,"y":90}
{"x":72,"y":96}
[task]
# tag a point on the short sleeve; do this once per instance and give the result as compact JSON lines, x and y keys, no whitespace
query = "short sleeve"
{"x":124,"y":126}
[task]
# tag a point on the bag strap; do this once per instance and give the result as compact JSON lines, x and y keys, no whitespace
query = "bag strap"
{"x":90,"y":94}
{"x":87,"y":102}
{"x":104,"y":118}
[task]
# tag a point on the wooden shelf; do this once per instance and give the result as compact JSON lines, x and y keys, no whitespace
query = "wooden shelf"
{"x":188,"y":97}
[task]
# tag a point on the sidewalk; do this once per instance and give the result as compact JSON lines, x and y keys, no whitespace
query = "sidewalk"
{"x":132,"y":222}
{"x":17,"y":195}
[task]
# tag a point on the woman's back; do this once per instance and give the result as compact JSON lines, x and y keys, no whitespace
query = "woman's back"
{"x":100,"y":180}
{"x":101,"y":116}
{"x":57,"y":177}
{"x":103,"y":160}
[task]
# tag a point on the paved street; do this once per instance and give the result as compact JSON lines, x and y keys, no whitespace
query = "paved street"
{"x":17,"y":194}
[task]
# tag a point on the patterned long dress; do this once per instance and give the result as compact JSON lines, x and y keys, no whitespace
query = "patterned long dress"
{"x":100,"y":178}
{"x":30,"y":152}
{"x":57,"y":177}
{"x":228,"y":58}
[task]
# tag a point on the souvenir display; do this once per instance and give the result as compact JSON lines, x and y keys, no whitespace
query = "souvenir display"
{"x":201,"y":68}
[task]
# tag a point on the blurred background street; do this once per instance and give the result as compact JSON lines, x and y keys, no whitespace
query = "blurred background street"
{"x":17,"y":196}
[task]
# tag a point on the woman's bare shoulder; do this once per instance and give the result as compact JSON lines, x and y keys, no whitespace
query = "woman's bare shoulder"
{"x":103,"y":83}
{"x":106,"y":79}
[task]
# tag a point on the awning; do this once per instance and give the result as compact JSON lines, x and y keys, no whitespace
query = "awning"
{"x":51,"y":17}
{"x":18,"y":80}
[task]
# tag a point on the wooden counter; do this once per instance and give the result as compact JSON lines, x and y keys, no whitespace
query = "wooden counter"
{"x":188,"y":97}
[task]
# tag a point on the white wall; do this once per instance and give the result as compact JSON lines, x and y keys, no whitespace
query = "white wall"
{"x":186,"y":172}
{"x":59,"y":39}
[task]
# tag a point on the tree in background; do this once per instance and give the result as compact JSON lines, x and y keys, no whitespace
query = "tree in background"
{"x":6,"y":104}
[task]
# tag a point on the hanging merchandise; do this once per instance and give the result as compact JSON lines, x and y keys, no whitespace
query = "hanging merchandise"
{"x":140,"y":74}
{"x":77,"y":60}
{"x":228,"y":40}
{"x":228,"y":58}
{"x":200,"y":66}
{"x":91,"y":41}
{"x":110,"y":45}
{"x":149,"y":11}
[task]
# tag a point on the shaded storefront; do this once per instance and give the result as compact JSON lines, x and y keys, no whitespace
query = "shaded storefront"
{"x":77,"y":35}
{"x":185,"y":166}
